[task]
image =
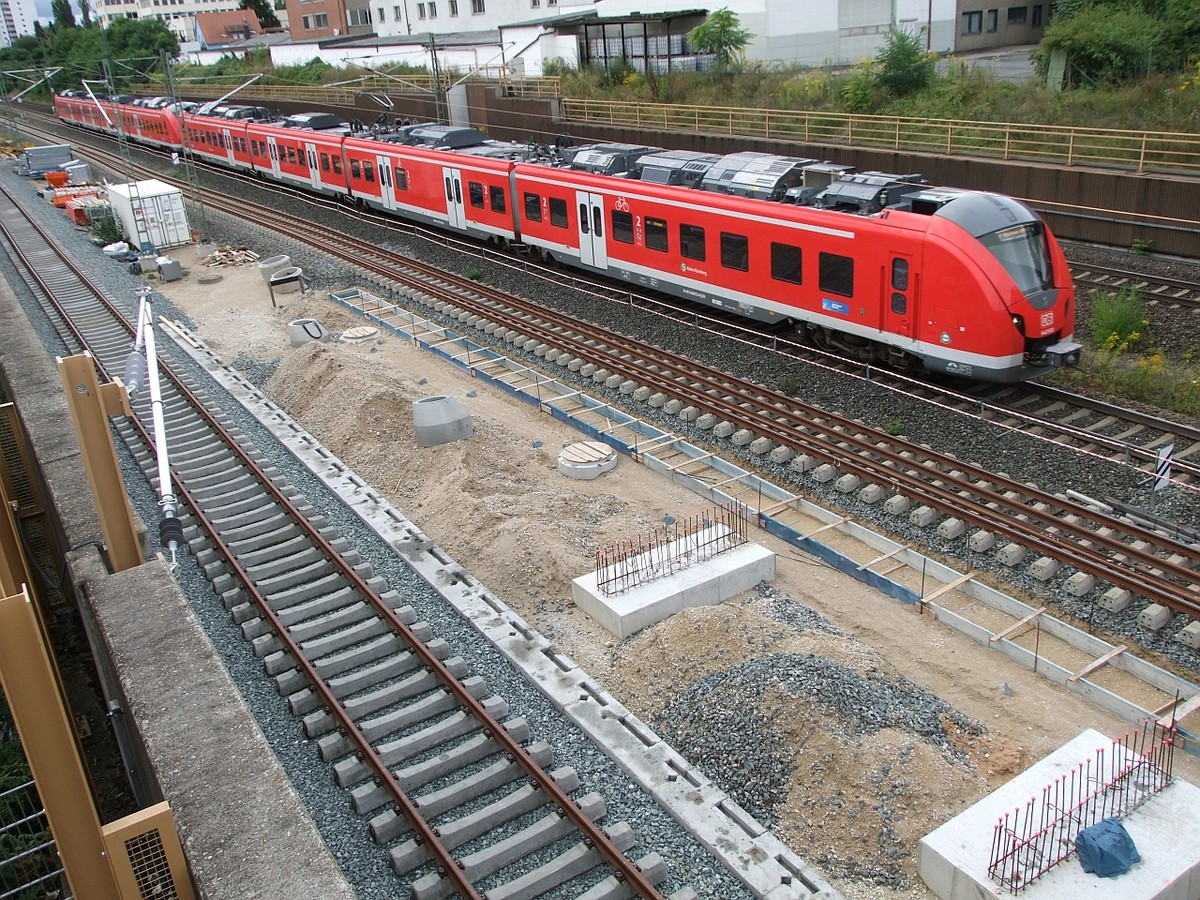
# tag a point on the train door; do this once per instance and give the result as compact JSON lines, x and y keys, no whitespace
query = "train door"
{"x":273,"y":152}
{"x":387,"y":189}
{"x":227,"y":137}
{"x":314,"y":169}
{"x":900,"y":283}
{"x":455,"y":205}
{"x":593,"y":250}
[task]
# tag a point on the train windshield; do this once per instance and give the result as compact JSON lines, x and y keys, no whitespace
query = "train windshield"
{"x":1024,"y":253}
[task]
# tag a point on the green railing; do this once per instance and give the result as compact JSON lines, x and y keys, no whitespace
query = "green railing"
{"x":1141,"y":151}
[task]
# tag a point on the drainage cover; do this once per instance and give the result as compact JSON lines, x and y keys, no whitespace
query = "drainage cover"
{"x":585,"y":460}
{"x":359,"y":333}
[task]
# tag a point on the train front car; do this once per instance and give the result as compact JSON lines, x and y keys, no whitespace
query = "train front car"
{"x":999,"y":303}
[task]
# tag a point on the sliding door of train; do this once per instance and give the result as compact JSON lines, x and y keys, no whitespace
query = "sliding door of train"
{"x":593,"y":251}
{"x":387,"y":187}
{"x":274,"y":153}
{"x":900,"y":282}
{"x":314,"y":167}
{"x":456,"y":210}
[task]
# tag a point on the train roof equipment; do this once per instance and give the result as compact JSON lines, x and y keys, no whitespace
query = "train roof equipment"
{"x":618,"y":160}
{"x":315,"y":121}
{"x":867,"y":193}
{"x":763,"y":176}
{"x":442,"y":137}
{"x":685,"y":168}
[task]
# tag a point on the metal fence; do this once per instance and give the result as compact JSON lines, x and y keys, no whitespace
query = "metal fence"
{"x":345,"y":94}
{"x":670,"y":547}
{"x":29,"y":864}
{"x":1141,"y":151}
{"x":1028,"y":843}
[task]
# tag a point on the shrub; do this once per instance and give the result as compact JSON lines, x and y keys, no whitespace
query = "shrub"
{"x":1118,"y":319}
{"x":904,"y":65}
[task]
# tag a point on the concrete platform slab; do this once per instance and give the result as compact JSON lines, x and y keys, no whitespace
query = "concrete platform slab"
{"x":953,"y":859}
{"x":703,"y":583}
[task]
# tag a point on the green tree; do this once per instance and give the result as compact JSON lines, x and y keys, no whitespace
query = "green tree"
{"x":722,"y":35}
{"x":85,"y":13}
{"x":64,"y":16}
{"x":904,"y":65}
{"x":1107,"y":45}
{"x":264,"y":9}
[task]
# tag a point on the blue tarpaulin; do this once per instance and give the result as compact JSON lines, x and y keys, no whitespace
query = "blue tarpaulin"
{"x":1106,"y":849}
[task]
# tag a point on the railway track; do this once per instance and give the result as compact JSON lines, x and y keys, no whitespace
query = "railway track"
{"x":1155,"y":289}
{"x":422,"y":744}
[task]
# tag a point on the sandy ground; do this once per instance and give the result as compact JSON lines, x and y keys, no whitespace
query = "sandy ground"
{"x":855,"y":802}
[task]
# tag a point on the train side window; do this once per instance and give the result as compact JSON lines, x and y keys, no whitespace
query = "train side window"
{"x":401,"y":179}
{"x":324,"y":162}
{"x":583,"y":218}
{"x":900,"y":274}
{"x":622,"y":227}
{"x":735,"y":251}
{"x":475,"y":192}
{"x":656,"y":234}
{"x":337,"y":165}
{"x":785,"y":263}
{"x":899,"y":304}
{"x":691,"y":242}
{"x":558,"y":213}
{"x":449,"y":191}
{"x":274,"y":152}
{"x":837,"y":274}
{"x":597,"y":221}
{"x":533,"y":207}
{"x":355,"y":169}
{"x":291,"y":154}
{"x":369,"y":171}
{"x":496,"y":196}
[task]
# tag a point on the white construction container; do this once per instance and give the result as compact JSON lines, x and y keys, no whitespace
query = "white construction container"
{"x":151,"y":214}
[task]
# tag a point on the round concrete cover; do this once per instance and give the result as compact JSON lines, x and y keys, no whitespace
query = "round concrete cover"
{"x":585,"y":460}
{"x":440,"y":420}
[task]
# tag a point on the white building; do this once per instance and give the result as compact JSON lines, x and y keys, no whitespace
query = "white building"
{"x":17,"y":18}
{"x":179,"y":15}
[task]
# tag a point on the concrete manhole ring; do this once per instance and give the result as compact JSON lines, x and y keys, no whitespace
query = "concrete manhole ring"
{"x":211,"y":278}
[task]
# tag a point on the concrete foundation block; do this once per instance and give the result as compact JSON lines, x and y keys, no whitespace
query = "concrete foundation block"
{"x":473,"y":321}
{"x":489,"y":328}
{"x":615,"y":381}
{"x":849,"y":483}
{"x":566,"y":360}
{"x":628,"y":386}
{"x":825,"y":473}
{"x":689,"y":414}
{"x":552,"y":354}
{"x":642,"y":394}
{"x":922,"y":516}
{"x":981,"y":541}
{"x":1011,"y":554}
{"x":897,"y":505}
{"x":656,"y":400}
{"x":781,"y":455}
{"x":802,"y":463}
{"x":870,"y":493}
{"x":1044,"y":568}
{"x":672,"y":407}
{"x":1190,"y":636}
{"x":586,"y":370}
{"x":1080,"y":584}
{"x":742,"y":437}
{"x":707,"y":421}
{"x":1154,"y":617}
{"x":600,"y":376}
{"x":951,"y":529}
{"x":1115,"y":599}
{"x":539,"y":349}
{"x":501,"y":334}
{"x":761,"y":446}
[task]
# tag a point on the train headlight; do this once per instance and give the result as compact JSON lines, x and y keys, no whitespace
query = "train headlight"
{"x":1019,"y":323}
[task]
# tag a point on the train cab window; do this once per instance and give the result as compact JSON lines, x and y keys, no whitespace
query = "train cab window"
{"x":735,"y":251}
{"x":558,"y":212}
{"x":475,"y":194}
{"x":369,"y":172}
{"x":900,"y":274}
{"x":533,"y":207}
{"x":622,"y":226}
{"x":401,"y":179}
{"x":496,"y":196}
{"x":691,"y":242}
{"x":656,"y":234}
{"x":899,"y":304}
{"x":785,"y":263}
{"x":837,"y":274}
{"x":324,"y":162}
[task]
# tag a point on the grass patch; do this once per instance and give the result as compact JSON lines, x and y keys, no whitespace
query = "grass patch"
{"x":1118,"y":322}
{"x":1152,"y":379}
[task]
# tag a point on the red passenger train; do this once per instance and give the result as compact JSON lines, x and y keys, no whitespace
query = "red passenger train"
{"x":884,"y":268}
